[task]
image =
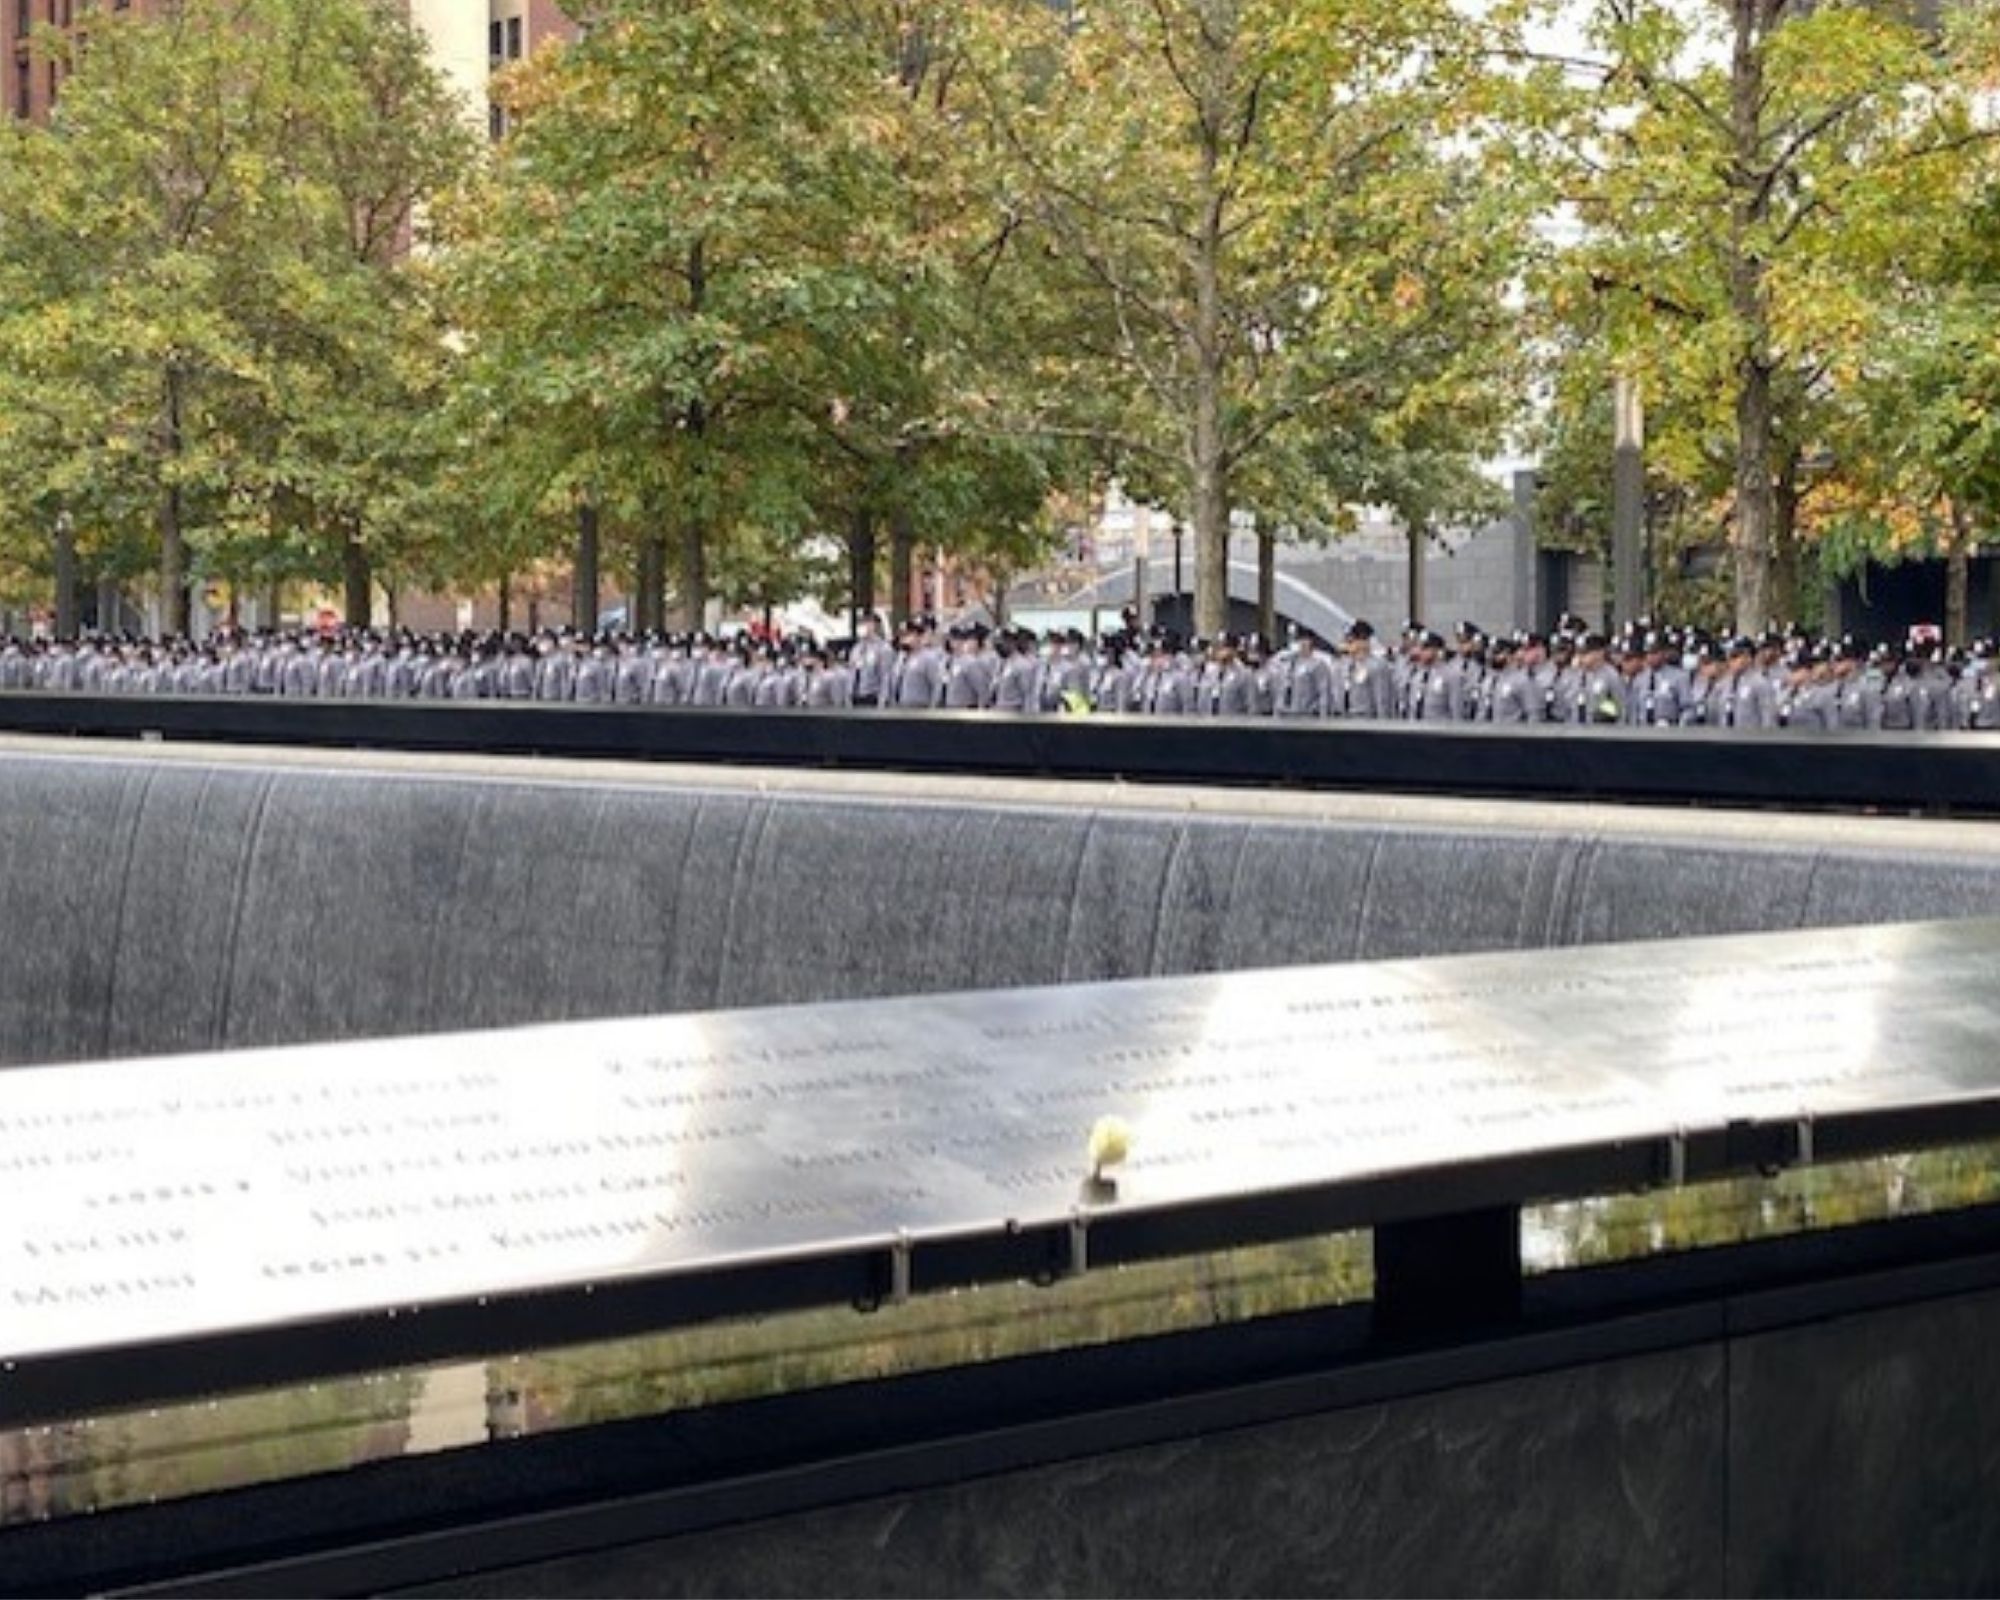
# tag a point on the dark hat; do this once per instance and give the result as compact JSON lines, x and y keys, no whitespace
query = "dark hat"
{"x":1361,"y":628}
{"x":1742,"y":645}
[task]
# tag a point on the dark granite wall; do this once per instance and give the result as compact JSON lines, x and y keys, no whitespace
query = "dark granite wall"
{"x":1859,"y":1455}
{"x":163,"y":906}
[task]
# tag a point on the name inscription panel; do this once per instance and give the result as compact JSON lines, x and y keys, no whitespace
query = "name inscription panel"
{"x":152,"y":1199}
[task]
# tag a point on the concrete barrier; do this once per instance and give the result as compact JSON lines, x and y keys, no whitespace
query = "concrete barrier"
{"x":160,"y":899}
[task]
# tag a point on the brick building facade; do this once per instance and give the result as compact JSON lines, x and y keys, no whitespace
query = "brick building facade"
{"x":469,"y":40}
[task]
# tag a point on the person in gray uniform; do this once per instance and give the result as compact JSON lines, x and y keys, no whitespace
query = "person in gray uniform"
{"x":1905,"y":698}
{"x":1364,"y":686}
{"x":1467,"y":663}
{"x":917,"y":680}
{"x":870,"y":660}
{"x":1111,"y":688}
{"x":1742,"y":696}
{"x":1656,"y":687}
{"x":1514,"y":695}
{"x":1307,"y":686}
{"x":1805,"y":700}
{"x":1162,"y":686}
{"x":674,"y":675}
{"x":1432,"y":687}
{"x":1224,"y":687}
{"x":1857,"y":700}
{"x":633,"y":682}
{"x":826,"y":683}
{"x":778,"y":689}
{"x":1068,"y":673}
{"x":971,"y":671}
{"x":1015,"y":687}
{"x":1597,"y":688}
{"x":596,"y":681}
{"x":1980,"y":705}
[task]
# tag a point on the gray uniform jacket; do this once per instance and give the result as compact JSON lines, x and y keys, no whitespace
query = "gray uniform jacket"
{"x":872,"y":658}
{"x":917,"y":680}
{"x":1308,"y":688}
{"x":832,"y":688}
{"x":969,"y":681}
{"x":1015,"y":687}
{"x":1364,"y":687}
{"x":1434,"y":693}
{"x":1748,"y":701}
{"x":1514,"y":696}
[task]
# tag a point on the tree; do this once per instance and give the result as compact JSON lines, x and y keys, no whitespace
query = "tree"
{"x":1916,"y":450}
{"x":206,"y":306}
{"x":1746,"y":173}
{"x":650,"y":261}
{"x":1278,"y":224}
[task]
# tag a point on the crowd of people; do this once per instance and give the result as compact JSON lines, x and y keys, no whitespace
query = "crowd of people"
{"x":1645,"y":675}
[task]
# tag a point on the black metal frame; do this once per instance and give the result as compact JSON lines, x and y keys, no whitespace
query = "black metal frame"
{"x":1440,"y":1222}
{"x":409,"y":1521}
{"x":1930,"y":773}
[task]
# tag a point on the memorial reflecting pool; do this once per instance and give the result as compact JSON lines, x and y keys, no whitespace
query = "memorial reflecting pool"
{"x":99,"y":1463}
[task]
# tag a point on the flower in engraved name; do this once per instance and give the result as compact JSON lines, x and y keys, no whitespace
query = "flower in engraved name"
{"x":1110,"y":1141}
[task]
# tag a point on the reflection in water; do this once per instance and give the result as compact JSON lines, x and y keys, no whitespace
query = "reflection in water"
{"x":169,"y":1453}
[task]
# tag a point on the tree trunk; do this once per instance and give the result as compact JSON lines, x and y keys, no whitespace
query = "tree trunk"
{"x":586,"y":582}
{"x":1785,"y":542}
{"x":1750,"y":537}
{"x":357,"y":578}
{"x":1267,"y":585}
{"x":173,"y":547}
{"x":274,"y":603}
{"x":902,"y":552}
{"x":1208,"y":361}
{"x":65,"y":576}
{"x":503,"y":609}
{"x":649,"y":597}
{"x":694,"y":423}
{"x":1415,"y":595}
{"x":1210,"y":509}
{"x":1957,"y":578}
{"x":861,"y":564}
{"x":694,"y":572}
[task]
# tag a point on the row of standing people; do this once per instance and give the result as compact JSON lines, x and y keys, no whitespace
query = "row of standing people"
{"x":1647,"y":676}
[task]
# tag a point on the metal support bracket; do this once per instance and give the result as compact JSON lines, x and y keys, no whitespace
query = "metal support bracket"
{"x":899,"y":1267}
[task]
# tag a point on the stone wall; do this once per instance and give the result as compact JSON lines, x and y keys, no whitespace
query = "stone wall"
{"x":1849,"y":1456}
{"x":174,"y":900}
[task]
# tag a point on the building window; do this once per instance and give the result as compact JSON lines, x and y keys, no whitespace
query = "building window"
{"x":23,"y":91}
{"x":24,"y":18}
{"x":513,"y":38}
{"x":495,"y":43}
